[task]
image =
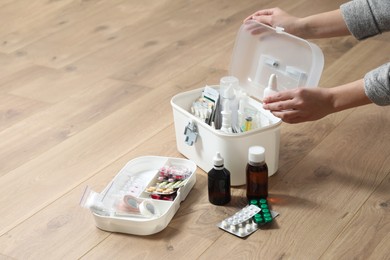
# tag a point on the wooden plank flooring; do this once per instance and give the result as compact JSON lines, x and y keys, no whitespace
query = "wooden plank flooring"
{"x":85,"y":86}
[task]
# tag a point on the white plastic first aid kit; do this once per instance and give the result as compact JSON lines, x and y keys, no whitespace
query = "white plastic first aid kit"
{"x":143,"y":197}
{"x":259,"y":52}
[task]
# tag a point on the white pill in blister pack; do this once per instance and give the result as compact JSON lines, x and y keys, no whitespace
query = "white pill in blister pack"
{"x":241,"y":223}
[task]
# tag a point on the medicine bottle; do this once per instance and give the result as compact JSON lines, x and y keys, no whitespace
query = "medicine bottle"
{"x":229,"y":86}
{"x":219,"y":182}
{"x":256,"y":174}
{"x":272,"y":87}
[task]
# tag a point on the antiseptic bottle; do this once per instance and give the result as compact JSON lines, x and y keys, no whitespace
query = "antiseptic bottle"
{"x":256,"y":174}
{"x":272,"y":87}
{"x":219,"y":182}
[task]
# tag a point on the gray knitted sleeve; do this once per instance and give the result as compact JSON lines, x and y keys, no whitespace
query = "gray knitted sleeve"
{"x":366,"y":18}
{"x":377,"y":85}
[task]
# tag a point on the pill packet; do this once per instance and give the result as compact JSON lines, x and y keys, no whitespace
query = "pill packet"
{"x":170,"y":178}
{"x":241,"y":223}
{"x":249,"y":219}
{"x":265,"y":215}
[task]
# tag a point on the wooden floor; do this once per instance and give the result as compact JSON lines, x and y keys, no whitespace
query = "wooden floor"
{"x":85,"y":86}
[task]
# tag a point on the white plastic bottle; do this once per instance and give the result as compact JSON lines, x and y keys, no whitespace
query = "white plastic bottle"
{"x":228,"y":86}
{"x":272,"y":87}
{"x":241,"y":112}
{"x":228,"y":81}
{"x":226,"y":119}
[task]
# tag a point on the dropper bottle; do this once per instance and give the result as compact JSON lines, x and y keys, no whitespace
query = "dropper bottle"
{"x":272,"y":87}
{"x":219,"y":182}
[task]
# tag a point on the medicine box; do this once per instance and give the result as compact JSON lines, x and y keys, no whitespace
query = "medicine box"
{"x":133,"y":181}
{"x":259,"y":52}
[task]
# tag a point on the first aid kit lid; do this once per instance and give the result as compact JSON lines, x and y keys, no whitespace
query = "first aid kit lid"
{"x":261,"y":51}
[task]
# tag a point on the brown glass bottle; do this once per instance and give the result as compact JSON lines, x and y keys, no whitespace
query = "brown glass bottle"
{"x":256,"y":174}
{"x":219,"y":182}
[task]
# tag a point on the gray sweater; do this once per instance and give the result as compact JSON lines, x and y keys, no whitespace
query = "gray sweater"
{"x":366,"y":18}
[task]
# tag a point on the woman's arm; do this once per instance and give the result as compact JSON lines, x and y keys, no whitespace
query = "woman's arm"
{"x":308,"y":104}
{"x":328,"y":24}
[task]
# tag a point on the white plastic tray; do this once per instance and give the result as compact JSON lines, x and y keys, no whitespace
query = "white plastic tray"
{"x":143,"y":171}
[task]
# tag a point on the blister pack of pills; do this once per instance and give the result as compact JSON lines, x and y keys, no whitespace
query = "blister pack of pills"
{"x":265,"y":215}
{"x":241,"y":223}
{"x":249,"y":219}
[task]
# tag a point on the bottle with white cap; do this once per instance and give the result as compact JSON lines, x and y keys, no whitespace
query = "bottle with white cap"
{"x":228,"y":82}
{"x":256,"y":174}
{"x":219,"y":182}
{"x":229,"y":86}
{"x":272,"y":87}
{"x":226,"y":119}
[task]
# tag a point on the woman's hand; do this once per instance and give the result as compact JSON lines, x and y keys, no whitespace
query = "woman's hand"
{"x":308,"y":104}
{"x":276,"y":17}
{"x":328,"y":24}
{"x":300,"y":104}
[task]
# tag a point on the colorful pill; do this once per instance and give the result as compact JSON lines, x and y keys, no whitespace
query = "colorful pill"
{"x":258,"y":219}
{"x":267,"y":215}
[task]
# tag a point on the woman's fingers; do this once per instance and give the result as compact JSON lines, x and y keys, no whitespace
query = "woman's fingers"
{"x":265,"y":12}
{"x":280,"y":105}
{"x":289,"y":116}
{"x":281,"y":101}
{"x":261,"y":16}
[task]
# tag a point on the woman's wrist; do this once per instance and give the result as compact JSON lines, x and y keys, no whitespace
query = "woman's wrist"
{"x":299,"y":28}
{"x":302,"y":28}
{"x":348,"y":96}
{"x":328,"y":24}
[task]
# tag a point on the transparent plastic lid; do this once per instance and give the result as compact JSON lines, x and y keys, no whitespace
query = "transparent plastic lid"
{"x":261,"y":51}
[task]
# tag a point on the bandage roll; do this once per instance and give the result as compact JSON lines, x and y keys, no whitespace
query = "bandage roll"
{"x":144,"y":207}
{"x":148,"y":209}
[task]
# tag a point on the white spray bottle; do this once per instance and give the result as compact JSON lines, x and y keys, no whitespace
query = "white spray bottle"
{"x":226,"y":118}
{"x":272,"y":87}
